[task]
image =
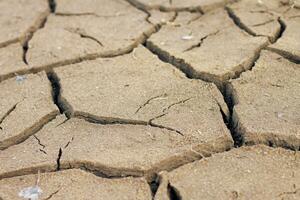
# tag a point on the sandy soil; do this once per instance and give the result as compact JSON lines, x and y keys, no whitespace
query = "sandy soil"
{"x":150,"y":99}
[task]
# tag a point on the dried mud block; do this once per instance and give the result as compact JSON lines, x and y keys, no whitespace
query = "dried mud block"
{"x":207,"y":48}
{"x":256,"y":172}
{"x":11,"y":61}
{"x":138,"y":88}
{"x":267,"y":102}
{"x":88,"y":31}
{"x":179,"y":5}
{"x":20,"y":17}
{"x":76,"y":184}
{"x":25,"y":106}
{"x":114,"y":150}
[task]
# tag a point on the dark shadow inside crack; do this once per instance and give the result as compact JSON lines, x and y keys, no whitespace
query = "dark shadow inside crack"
{"x":52,"y":5}
{"x":25,"y":49}
{"x":282,"y":29}
{"x":58,"y":159}
{"x":173,"y":193}
{"x":63,"y":106}
{"x":231,"y":124}
{"x":154,"y":185}
{"x":237,"y":21}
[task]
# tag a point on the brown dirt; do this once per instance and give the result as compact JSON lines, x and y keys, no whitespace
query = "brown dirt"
{"x":148,"y":99}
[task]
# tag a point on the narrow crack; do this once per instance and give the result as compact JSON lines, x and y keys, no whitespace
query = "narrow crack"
{"x":165,"y":127}
{"x":8,"y":113}
{"x":148,"y":101}
{"x":252,"y":64}
{"x":40,"y":24}
{"x":69,"y":142}
{"x":282,"y":29}
{"x":52,"y":194}
{"x":194,"y":19}
{"x":173,"y":193}
{"x":58,"y":159}
{"x":109,"y":120}
{"x":262,"y":11}
{"x":29,"y":36}
{"x":186,"y":68}
{"x":62,"y":104}
{"x":52,"y":5}
{"x":154,"y":184}
{"x":25,"y":49}
{"x":43,"y":151}
{"x":39,"y":141}
{"x":237,"y":21}
{"x":177,"y":103}
{"x":201,"y":42}
{"x":285,"y":54}
{"x":231,"y":124}
{"x":263,"y":23}
{"x":60,"y":152}
{"x":83,"y":34}
{"x":225,"y":118}
{"x":165,"y":113}
{"x":92,"y":38}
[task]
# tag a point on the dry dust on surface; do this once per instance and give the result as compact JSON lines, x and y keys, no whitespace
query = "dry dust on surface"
{"x":150,"y":99}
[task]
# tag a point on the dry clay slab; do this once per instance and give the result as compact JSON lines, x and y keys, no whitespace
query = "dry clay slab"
{"x":138,"y":88}
{"x":76,"y":184}
{"x":19,"y":18}
{"x":267,"y":102}
{"x":256,"y":172}
{"x":25,"y":106}
{"x":102,"y":28}
{"x":210,"y":47}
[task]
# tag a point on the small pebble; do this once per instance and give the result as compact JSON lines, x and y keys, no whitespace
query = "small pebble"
{"x":187,"y":37}
{"x":20,"y":78}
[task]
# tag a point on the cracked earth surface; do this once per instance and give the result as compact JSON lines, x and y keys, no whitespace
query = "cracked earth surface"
{"x":150,"y":99}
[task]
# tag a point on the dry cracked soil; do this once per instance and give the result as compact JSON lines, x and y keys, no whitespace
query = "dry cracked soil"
{"x":150,"y":99}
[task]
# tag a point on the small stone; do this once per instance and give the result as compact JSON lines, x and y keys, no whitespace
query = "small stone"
{"x":20,"y":78}
{"x":31,"y":193}
{"x":187,"y":37}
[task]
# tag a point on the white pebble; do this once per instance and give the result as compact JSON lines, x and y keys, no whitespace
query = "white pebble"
{"x":187,"y":37}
